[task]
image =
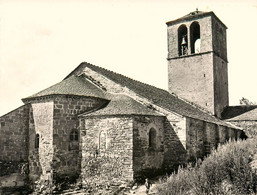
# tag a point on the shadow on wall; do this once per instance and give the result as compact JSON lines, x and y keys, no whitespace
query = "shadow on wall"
{"x":175,"y":153}
{"x":157,"y":152}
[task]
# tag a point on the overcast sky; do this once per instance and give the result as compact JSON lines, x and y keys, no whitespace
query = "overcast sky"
{"x":43,"y":41}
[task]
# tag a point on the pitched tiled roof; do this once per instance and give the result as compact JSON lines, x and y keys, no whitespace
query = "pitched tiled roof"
{"x":234,"y":111}
{"x":246,"y":116}
{"x":123,"y":105}
{"x":156,"y":95}
{"x":74,"y":85}
{"x":194,"y":15}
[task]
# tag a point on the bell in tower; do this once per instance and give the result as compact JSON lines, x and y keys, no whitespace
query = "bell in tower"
{"x":197,"y":60}
{"x":182,"y":41}
{"x":184,"y":46}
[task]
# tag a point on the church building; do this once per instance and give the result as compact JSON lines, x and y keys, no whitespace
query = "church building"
{"x":103,"y":127}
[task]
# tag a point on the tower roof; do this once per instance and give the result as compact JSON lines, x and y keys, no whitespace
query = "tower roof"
{"x":74,"y":85}
{"x":194,"y":15}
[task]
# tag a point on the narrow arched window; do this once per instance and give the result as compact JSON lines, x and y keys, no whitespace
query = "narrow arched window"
{"x":195,"y":37}
{"x":37,"y":141}
{"x":182,"y":40}
{"x":74,"y":135}
{"x":152,"y":138}
{"x":102,"y":141}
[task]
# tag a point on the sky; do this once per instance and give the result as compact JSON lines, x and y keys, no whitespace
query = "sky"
{"x":42,"y":41}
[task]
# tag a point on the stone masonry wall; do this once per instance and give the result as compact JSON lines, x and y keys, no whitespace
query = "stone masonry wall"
{"x":67,"y":152}
{"x":249,"y":127}
{"x":219,"y":39}
{"x":204,"y":136}
{"x":41,"y":123}
{"x":196,"y":137}
{"x":107,"y":150}
{"x":14,"y":132}
{"x":14,"y":135}
{"x":188,"y":76}
{"x":174,"y":150}
{"x":220,"y":71}
{"x":147,"y":159}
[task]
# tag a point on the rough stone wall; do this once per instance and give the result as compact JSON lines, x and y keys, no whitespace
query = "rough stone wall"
{"x":113,"y":163}
{"x":41,"y":123}
{"x":223,"y":134}
{"x":196,"y":138}
{"x":249,"y":127}
{"x":212,"y":137}
{"x":220,"y":71}
{"x":219,"y":42}
{"x":14,"y":132}
{"x":219,"y":39}
{"x":67,"y":153}
{"x":191,"y":78}
{"x":204,"y":136}
{"x":174,"y":143}
{"x":147,"y":159}
{"x":14,"y":135}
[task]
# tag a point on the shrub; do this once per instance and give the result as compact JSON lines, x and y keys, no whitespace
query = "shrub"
{"x":226,"y":170}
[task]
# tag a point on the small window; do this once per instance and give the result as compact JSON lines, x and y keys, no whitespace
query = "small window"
{"x":152,"y":138}
{"x":37,"y":141}
{"x":74,"y":136}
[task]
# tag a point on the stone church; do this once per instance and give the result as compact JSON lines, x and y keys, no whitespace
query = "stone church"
{"x":101,"y":126}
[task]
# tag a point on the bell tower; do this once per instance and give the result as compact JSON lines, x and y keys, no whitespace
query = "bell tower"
{"x":197,"y":60}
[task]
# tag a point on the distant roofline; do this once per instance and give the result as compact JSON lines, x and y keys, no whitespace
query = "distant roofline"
{"x":232,"y":112}
{"x":194,"y":15}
